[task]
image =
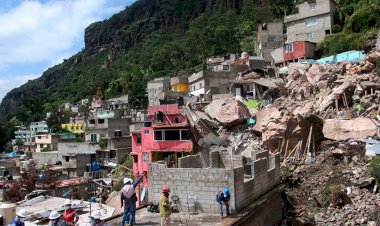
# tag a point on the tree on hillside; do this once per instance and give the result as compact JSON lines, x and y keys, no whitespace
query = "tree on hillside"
{"x":25,"y":185}
{"x":57,"y":118}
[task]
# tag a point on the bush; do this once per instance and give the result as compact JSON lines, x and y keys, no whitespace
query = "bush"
{"x":342,"y":42}
{"x":364,"y":19}
{"x":374,"y":168}
{"x":336,"y":28}
{"x":117,"y":186}
{"x":103,"y":143}
{"x":46,"y":149}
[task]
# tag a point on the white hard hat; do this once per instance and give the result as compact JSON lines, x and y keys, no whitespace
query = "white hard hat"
{"x":126,"y":180}
{"x":67,"y":202}
{"x":22,"y":213}
{"x":54,"y":215}
{"x":96,"y":214}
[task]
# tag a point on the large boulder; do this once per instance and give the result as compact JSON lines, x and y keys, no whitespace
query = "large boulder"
{"x":262,"y":117}
{"x":229,"y":112}
{"x":340,"y":130}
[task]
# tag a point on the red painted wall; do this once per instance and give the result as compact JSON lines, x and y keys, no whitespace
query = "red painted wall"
{"x":299,"y":51}
{"x":148,"y":144}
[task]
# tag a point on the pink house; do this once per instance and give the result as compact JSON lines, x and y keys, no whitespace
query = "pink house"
{"x":165,"y":138}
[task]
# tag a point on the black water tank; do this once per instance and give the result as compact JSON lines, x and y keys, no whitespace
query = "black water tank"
{"x":180,"y":101}
{"x":147,"y":124}
{"x":88,"y":168}
{"x":158,"y":116}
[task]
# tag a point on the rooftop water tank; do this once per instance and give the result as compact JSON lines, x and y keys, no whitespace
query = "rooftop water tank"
{"x":8,"y":211}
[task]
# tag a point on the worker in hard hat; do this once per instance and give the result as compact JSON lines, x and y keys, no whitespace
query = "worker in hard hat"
{"x":96,"y":219}
{"x":70,"y":216}
{"x":20,"y":218}
{"x":54,"y":219}
{"x":165,"y":206}
{"x":128,"y":199}
{"x":223,"y":198}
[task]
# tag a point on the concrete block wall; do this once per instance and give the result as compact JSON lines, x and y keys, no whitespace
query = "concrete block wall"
{"x":200,"y":184}
{"x":265,"y":176}
{"x":230,"y":162}
{"x":191,"y":161}
{"x":203,"y":184}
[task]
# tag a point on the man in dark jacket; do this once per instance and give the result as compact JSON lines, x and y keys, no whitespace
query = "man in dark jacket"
{"x":223,"y":197}
{"x":128,"y":199}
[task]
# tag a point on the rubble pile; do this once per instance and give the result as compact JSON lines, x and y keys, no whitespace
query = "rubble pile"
{"x":336,"y":190}
{"x":331,"y":98}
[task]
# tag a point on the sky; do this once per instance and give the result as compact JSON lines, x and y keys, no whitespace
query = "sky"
{"x":38,"y":34}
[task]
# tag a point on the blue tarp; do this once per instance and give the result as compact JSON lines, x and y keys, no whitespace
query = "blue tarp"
{"x":11,"y":154}
{"x":350,"y":56}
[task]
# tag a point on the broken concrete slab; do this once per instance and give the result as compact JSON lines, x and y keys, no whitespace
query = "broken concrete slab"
{"x":330,"y":99}
{"x":341,"y":130}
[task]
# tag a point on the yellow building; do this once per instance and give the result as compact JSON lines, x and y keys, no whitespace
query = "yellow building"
{"x":179,"y":84}
{"x":73,"y":127}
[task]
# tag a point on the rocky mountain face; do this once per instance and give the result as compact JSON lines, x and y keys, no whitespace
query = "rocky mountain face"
{"x":105,"y":41}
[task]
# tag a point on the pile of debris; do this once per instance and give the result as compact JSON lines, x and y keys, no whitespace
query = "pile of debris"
{"x":331,"y":100}
{"x":336,"y":190}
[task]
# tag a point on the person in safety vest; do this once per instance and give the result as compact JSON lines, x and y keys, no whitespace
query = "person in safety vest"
{"x":70,"y":216}
{"x":20,"y":218}
{"x":128,"y":199}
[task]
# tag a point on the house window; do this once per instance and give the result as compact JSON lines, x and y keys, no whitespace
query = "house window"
{"x":39,"y":137}
{"x":327,"y":32}
{"x":135,"y":159}
{"x":145,"y":156}
{"x":138,"y":139}
{"x":309,"y":35}
{"x":117,"y":133}
{"x":200,"y":85}
{"x":311,"y":21}
{"x":193,"y":87}
{"x":92,"y":121}
{"x":67,"y":158}
{"x":185,"y":135}
{"x":289,"y":48}
{"x":112,"y":154}
{"x":41,"y":146}
{"x":94,"y":138}
{"x":172,"y":135}
{"x":101,"y":121}
{"x":146,"y":131}
{"x":158,"y":135}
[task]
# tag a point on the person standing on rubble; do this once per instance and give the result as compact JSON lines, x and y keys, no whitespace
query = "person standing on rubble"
{"x":165,"y":206}
{"x":128,"y":199}
{"x":70,"y":216}
{"x":223,"y":197}
{"x":20,"y":218}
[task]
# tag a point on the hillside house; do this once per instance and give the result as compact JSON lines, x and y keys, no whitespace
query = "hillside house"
{"x":295,"y":51}
{"x":46,"y":142}
{"x":112,"y":135}
{"x":38,"y":128}
{"x":269,"y":37}
{"x":164,"y":139}
{"x":312,"y":22}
